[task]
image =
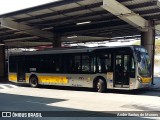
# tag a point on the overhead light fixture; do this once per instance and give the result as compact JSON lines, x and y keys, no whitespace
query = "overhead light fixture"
{"x":48,"y":28}
{"x":82,"y":23}
{"x":20,"y":32}
{"x":72,"y":37}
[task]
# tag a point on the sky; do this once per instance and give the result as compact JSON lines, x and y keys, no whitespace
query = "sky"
{"x":7,"y":6}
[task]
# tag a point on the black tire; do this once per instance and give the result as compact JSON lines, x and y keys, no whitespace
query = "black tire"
{"x":33,"y":81}
{"x":100,"y":86}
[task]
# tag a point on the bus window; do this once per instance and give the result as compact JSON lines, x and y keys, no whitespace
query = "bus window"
{"x":70,"y":65}
{"x":118,"y":66}
{"x":58,"y":64}
{"x":108,"y":64}
{"x":143,"y":62}
{"x":12,"y":64}
{"x":93,"y":64}
{"x":77,"y":66}
{"x":132,"y":75}
{"x":126,"y":63}
{"x":99,"y":65}
{"x":47,"y":63}
{"x":104,"y":63}
{"x":85,"y":63}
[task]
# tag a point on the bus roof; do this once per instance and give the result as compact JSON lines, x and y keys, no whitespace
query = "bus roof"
{"x":69,"y":50}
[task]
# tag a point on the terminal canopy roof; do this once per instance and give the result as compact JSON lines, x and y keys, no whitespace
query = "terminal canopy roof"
{"x":74,"y":21}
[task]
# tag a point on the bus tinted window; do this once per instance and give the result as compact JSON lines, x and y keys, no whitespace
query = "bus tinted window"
{"x":77,"y":67}
{"x":69,"y":63}
{"x":93,"y":63}
{"x":132,"y":75}
{"x":104,"y":63}
{"x":12,"y":64}
{"x":144,"y":65}
{"x":85,"y":63}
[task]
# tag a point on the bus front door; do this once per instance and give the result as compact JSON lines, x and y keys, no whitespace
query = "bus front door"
{"x":121,"y":71}
{"x":20,"y":70}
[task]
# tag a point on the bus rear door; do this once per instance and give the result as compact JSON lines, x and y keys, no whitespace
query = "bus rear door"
{"x":21,"y":69}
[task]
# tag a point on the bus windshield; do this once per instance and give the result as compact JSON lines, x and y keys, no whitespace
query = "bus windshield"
{"x":144,"y":65}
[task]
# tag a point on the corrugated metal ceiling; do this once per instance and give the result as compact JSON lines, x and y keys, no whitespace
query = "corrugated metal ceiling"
{"x":64,"y":15}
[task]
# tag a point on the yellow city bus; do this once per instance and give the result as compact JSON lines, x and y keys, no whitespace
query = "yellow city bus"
{"x":101,"y":68}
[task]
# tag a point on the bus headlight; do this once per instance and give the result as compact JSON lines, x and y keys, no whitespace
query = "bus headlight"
{"x":139,"y":79}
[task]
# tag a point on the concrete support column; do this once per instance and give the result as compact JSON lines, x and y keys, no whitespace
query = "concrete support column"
{"x":57,"y":40}
{"x":2,"y":62}
{"x":148,"y":41}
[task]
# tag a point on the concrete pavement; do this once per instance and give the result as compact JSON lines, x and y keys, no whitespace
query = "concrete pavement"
{"x":51,"y":98}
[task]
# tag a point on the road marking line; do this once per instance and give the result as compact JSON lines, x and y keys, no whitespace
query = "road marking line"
{"x":14,"y":86}
{"x":3,"y":86}
{"x":9,"y":86}
{"x":36,"y":102}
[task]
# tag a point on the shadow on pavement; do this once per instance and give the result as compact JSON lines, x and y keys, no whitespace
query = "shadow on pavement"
{"x":21,"y":103}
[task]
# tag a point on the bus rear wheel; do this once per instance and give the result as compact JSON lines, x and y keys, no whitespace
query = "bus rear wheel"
{"x":33,"y":81}
{"x":100,"y":86}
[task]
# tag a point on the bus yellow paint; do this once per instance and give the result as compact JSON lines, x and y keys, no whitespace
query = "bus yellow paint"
{"x":13,"y":77}
{"x":146,"y":80}
{"x":53,"y":79}
{"x":27,"y":77}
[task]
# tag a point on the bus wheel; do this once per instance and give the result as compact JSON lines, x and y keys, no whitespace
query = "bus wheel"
{"x":33,"y":81}
{"x":100,"y":86}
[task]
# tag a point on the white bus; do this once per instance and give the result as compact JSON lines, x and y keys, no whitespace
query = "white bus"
{"x":101,"y":68}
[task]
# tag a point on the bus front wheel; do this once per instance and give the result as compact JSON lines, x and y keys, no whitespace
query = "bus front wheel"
{"x":33,"y":81}
{"x":100,"y":86}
